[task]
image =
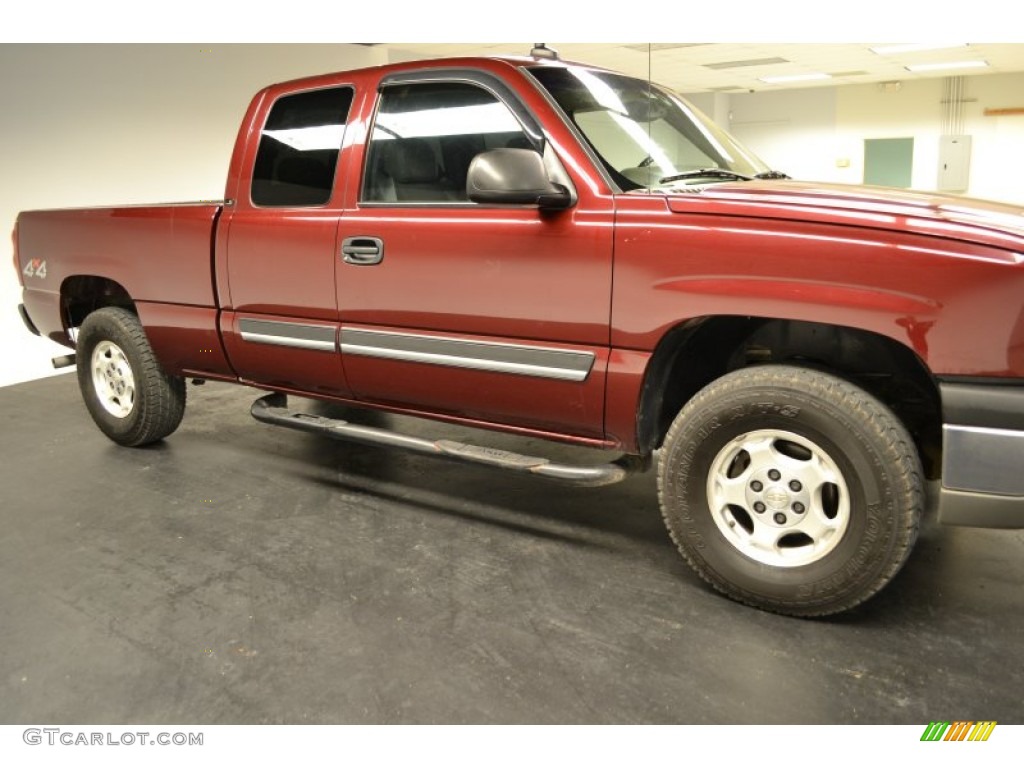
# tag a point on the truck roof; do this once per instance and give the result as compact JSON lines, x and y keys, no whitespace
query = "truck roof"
{"x":455,"y":62}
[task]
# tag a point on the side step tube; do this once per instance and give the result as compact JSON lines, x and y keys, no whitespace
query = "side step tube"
{"x":273,"y":409}
{"x":63,"y":361}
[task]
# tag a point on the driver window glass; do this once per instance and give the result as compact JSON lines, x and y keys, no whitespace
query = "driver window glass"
{"x":425,"y":136}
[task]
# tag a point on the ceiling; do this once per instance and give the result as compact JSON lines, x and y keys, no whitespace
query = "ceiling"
{"x":695,"y":67}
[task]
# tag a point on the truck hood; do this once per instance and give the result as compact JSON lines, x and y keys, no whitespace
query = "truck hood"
{"x":956,"y":218}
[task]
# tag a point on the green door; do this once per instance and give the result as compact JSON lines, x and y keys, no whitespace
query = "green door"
{"x":888,"y":162}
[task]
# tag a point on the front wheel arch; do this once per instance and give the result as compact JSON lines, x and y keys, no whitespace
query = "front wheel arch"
{"x":694,"y":354}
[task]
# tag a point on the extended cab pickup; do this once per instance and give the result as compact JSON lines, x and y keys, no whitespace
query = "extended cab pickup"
{"x":559,"y":251}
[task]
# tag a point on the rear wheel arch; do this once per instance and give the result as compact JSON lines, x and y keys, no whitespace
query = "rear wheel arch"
{"x":81,"y":295}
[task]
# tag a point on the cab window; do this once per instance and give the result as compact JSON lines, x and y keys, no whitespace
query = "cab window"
{"x":299,"y":145}
{"x":425,"y":136}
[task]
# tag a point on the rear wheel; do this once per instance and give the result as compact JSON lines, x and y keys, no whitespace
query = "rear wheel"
{"x":126,"y":391}
{"x":791,"y":490}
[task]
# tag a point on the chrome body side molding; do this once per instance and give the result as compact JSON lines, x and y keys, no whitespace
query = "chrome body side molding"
{"x":499,"y":357}
{"x":282,"y":334}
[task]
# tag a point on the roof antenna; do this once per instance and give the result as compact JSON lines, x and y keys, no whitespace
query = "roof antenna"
{"x":541,"y":51}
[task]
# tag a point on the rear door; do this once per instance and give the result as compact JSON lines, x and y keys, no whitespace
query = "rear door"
{"x":493,"y":313}
{"x":281,"y":319}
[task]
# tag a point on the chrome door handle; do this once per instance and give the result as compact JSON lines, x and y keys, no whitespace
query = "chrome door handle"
{"x":362,"y":251}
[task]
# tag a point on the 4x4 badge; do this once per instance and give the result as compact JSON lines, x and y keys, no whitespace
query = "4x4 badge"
{"x":35,"y":268}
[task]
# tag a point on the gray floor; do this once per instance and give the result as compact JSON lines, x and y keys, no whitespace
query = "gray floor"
{"x":240,"y":573}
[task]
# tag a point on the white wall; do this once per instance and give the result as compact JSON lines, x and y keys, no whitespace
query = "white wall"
{"x":812,"y":133}
{"x":786,"y":129}
{"x":997,"y":162}
{"x":84,"y":125}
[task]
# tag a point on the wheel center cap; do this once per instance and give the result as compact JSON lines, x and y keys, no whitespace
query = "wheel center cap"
{"x":776,"y":498}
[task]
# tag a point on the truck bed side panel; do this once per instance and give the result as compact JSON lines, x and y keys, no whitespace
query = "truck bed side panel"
{"x":160,"y":255}
{"x":156,"y":253}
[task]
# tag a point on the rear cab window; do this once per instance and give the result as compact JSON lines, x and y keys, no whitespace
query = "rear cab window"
{"x":298,"y":151}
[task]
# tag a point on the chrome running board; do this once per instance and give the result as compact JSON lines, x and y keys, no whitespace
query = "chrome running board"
{"x":273,"y":409}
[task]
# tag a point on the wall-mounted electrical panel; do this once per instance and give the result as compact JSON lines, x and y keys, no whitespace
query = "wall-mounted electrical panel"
{"x":954,"y":163}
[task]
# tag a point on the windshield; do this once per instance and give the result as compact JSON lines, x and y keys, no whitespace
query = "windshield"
{"x":646,"y":137}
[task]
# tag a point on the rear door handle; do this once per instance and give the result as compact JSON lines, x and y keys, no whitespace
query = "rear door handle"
{"x":362,"y":251}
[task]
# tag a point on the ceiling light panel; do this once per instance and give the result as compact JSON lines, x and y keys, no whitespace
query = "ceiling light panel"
{"x":973,"y":64}
{"x":746,"y":63}
{"x":795,"y":78}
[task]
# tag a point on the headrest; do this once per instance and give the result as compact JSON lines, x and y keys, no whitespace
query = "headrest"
{"x":411,"y":161}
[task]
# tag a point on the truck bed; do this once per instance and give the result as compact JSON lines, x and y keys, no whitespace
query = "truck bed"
{"x":122,"y":243}
{"x":160,"y":255}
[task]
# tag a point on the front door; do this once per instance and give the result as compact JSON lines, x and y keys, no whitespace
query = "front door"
{"x":496,"y":314}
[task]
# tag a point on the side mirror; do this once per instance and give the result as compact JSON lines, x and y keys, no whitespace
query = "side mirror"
{"x":514,"y":177}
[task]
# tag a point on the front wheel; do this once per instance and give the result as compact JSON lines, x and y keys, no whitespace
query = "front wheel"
{"x":127,"y":393}
{"x":791,"y":490}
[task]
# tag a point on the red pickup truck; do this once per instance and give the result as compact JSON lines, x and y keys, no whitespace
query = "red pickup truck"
{"x":554,"y":250}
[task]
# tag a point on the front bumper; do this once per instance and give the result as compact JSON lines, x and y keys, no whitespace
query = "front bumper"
{"x":982,"y":455}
